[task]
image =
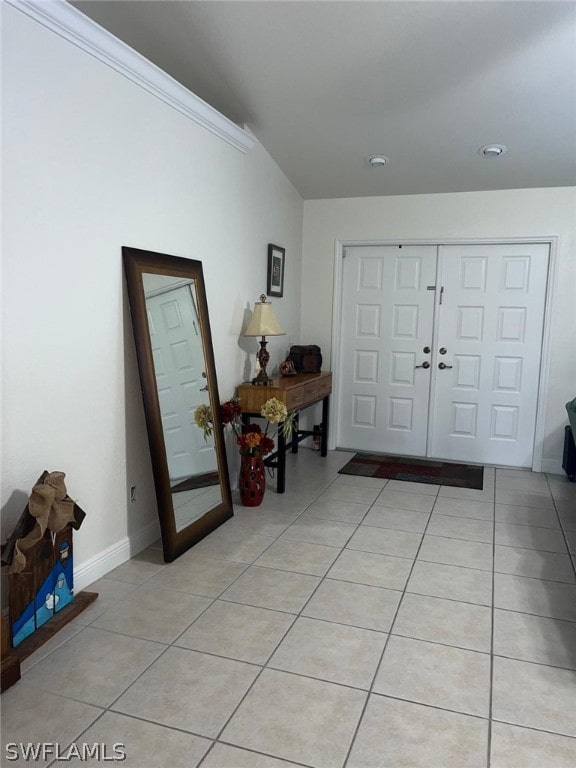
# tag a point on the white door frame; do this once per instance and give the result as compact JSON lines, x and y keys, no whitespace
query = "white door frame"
{"x":551,"y":240}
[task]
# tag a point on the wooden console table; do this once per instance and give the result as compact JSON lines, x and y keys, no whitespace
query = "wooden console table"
{"x":296,"y":392}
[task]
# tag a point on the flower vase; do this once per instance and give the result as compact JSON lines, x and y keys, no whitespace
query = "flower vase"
{"x":252,"y":481}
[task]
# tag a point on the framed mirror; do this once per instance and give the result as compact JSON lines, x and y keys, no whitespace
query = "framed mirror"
{"x":177,"y":374}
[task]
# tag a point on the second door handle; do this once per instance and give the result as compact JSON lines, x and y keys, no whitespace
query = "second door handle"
{"x":442,"y":366}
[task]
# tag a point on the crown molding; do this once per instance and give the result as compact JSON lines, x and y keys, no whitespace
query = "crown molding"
{"x":69,"y":23}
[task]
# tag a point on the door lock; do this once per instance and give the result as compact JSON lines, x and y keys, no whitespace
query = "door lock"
{"x":442,"y":350}
{"x":425,"y":364}
{"x":426,"y":350}
{"x":442,"y":366}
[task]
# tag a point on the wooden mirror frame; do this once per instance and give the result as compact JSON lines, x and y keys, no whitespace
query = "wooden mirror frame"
{"x":136,"y":263}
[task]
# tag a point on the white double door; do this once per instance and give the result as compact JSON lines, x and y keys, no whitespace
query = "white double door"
{"x":440,"y":350}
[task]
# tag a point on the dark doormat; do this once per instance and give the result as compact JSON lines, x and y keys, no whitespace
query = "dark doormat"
{"x":197,"y":481}
{"x":415,"y":470}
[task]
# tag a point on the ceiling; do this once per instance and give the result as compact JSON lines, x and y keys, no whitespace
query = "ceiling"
{"x":325,"y":84}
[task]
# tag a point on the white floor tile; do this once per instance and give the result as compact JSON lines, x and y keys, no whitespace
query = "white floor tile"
{"x":534,"y":695}
{"x":141,"y":742}
{"x":225,"y":756}
{"x":385,"y":541}
{"x":398,"y":733}
{"x":462,"y":625}
{"x":257,"y":647}
{"x":30,"y":714}
{"x":355,"y":604}
{"x":398,"y":519}
{"x":518,"y":515}
{"x":469,"y":554}
{"x":467,"y":585}
{"x":461,"y":528}
{"x":481,"y":510}
{"x":524,"y":498}
{"x":417,"y":502}
{"x":435,"y":674}
{"x":95,"y":666}
{"x":190,"y":691}
{"x":372,"y":569}
{"x":298,"y":719}
{"x":552,"y":566}
{"x":299,"y":556}
{"x":328,"y":651}
{"x":237,"y":631}
{"x":535,"y":638}
{"x":514,"y":746}
{"x":530,"y":537}
{"x":272,"y":588}
{"x":536,"y":596}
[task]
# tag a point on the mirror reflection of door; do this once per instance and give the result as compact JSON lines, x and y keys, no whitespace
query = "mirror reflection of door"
{"x":179,"y":367}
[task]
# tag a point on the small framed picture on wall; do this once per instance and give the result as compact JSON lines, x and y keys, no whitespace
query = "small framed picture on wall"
{"x":276,"y":270}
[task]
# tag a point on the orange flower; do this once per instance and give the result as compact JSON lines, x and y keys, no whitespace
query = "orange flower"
{"x":252,"y":439}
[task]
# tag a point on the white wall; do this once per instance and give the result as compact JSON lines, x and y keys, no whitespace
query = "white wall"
{"x":92,"y":162}
{"x":503,"y":214}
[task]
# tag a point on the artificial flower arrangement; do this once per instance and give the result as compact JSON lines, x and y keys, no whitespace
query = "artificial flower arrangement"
{"x":249,"y":437}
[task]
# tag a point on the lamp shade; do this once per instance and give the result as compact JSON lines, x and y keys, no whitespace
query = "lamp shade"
{"x":263,"y":321}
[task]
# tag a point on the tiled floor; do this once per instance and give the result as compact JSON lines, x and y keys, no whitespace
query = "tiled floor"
{"x":350,"y":622}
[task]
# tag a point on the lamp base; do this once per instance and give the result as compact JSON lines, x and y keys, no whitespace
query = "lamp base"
{"x":262,"y":380}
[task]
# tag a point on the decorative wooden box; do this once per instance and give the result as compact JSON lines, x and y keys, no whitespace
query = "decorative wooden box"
{"x":36,"y":595}
{"x":38,"y":559}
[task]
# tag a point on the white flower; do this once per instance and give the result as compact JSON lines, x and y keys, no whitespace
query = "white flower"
{"x":274,"y":411}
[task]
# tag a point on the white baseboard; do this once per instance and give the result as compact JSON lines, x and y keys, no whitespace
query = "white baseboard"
{"x":102,"y":563}
{"x":552,"y":467}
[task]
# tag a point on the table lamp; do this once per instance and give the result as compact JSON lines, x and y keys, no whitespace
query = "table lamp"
{"x":263,"y":324}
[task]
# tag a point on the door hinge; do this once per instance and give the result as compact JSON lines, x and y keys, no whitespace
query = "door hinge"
{"x":441,"y":292}
{"x":343,"y":253}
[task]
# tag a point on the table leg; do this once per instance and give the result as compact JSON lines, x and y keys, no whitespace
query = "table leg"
{"x":325,"y":416}
{"x":295,"y":428}
{"x":281,"y":479}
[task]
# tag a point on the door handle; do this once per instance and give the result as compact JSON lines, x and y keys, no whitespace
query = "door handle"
{"x":425,"y":364}
{"x":203,"y":389}
{"x":442,"y":366}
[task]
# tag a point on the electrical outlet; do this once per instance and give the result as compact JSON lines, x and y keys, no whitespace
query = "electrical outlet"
{"x":132,"y":494}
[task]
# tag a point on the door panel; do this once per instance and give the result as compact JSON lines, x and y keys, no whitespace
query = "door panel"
{"x":181,"y":383}
{"x":490,"y":322}
{"x":386,"y":322}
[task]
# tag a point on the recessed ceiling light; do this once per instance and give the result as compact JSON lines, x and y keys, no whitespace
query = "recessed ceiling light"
{"x":377,"y":161}
{"x":492,"y":150}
